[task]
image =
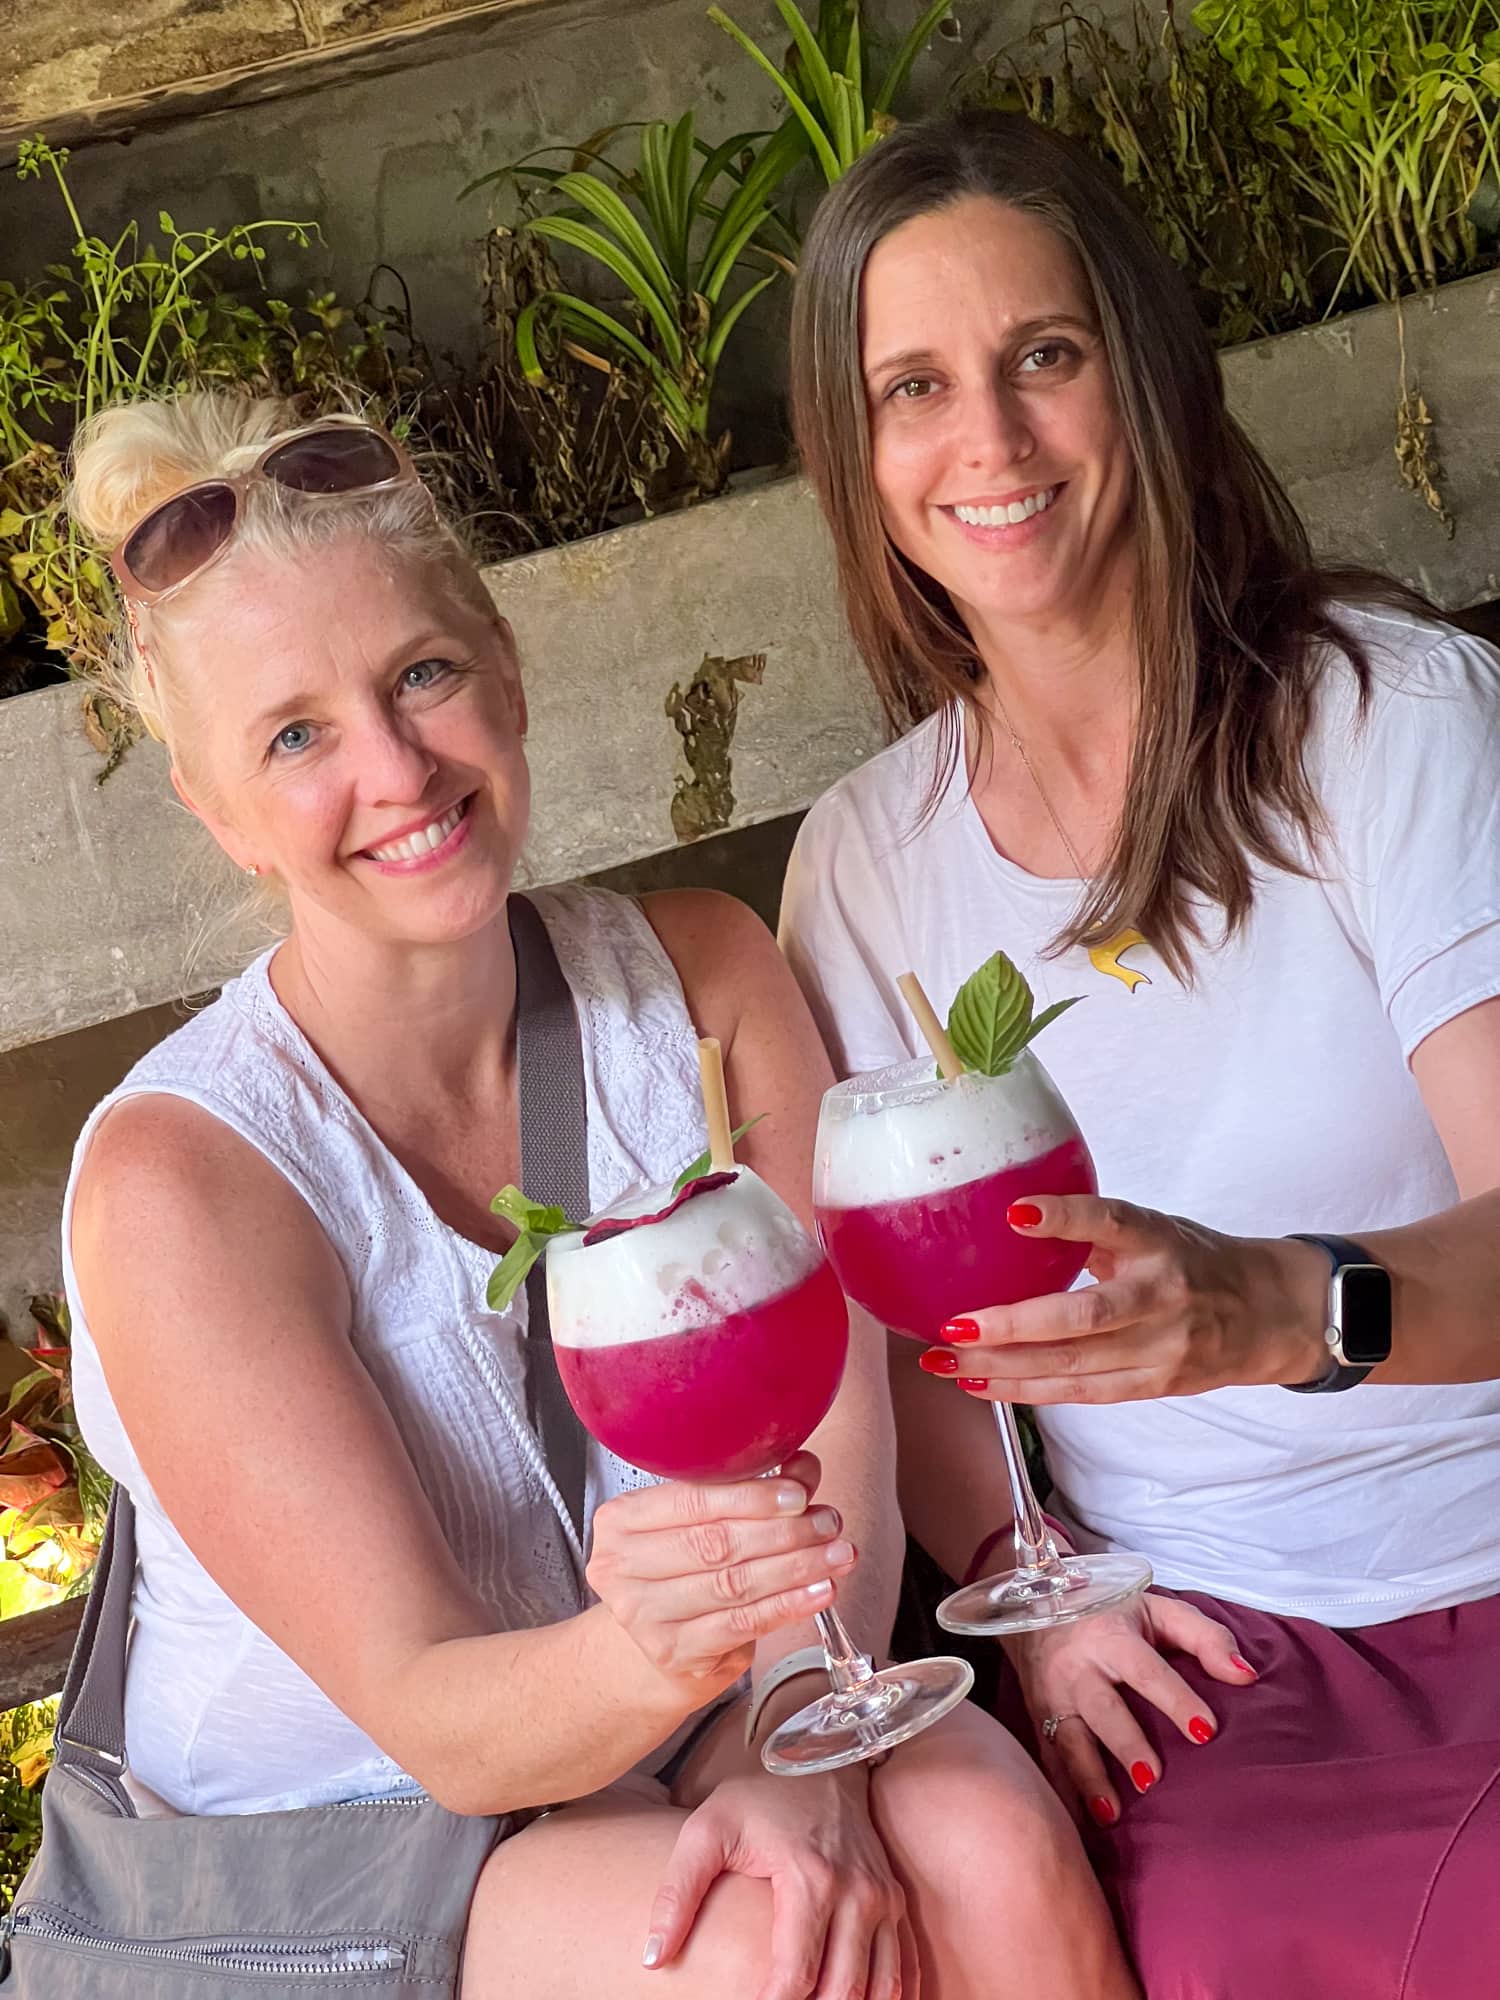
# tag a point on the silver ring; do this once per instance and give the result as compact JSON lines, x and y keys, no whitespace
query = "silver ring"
{"x":1052,"y":1723}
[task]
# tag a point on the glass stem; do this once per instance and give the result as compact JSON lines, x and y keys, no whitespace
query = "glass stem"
{"x":850,"y":1670}
{"x":1036,"y":1552}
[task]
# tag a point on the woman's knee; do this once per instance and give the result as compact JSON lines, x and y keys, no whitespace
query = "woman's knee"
{"x":568,"y":1920}
{"x":729,"y":1951}
{"x":978,"y":1793}
{"x":987,"y":1852}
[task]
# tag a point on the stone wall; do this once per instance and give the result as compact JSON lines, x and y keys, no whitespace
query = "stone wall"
{"x":378,"y":160}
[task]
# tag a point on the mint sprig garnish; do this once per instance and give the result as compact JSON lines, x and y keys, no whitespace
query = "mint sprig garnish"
{"x":704,"y":1161}
{"x":534,"y":1222}
{"x":991,"y":1021}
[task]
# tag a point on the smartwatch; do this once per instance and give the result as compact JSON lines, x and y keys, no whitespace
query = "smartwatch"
{"x":1359,"y":1316}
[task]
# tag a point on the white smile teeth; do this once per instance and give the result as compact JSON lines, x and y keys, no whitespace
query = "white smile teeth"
{"x":1010,"y":516}
{"x":415,"y":845}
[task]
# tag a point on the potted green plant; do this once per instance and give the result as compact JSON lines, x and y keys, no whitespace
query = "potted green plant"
{"x":134,"y":317}
{"x":671,"y":230}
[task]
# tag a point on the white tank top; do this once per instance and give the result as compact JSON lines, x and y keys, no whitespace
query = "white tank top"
{"x":218,"y":1719}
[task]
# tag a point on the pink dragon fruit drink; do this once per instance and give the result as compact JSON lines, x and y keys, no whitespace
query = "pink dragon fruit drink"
{"x":700,"y":1335}
{"x":913,"y":1180}
{"x":913,"y":1177}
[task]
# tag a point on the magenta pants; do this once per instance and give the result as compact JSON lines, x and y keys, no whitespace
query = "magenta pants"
{"x":1340,"y":1837}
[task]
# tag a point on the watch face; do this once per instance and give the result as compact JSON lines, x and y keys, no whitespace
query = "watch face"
{"x":1364,"y":1315}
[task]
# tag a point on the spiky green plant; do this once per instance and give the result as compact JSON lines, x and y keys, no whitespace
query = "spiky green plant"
{"x":671,"y":229}
{"x":835,"y":108}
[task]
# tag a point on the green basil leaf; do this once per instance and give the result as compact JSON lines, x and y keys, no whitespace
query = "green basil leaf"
{"x":990,"y":1021}
{"x":531,"y":1215}
{"x":990,"y":1015}
{"x":704,"y":1161}
{"x":513,"y":1270}
{"x":1050,"y":1014}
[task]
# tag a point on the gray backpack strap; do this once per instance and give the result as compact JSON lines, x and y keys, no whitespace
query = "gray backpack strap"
{"x":554,"y":1168}
{"x":90,"y":1739}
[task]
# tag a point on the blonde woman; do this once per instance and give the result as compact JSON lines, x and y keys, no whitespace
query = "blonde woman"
{"x":354,"y":1575}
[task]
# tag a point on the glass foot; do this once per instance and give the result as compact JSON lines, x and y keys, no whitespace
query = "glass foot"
{"x":1031,"y":1601}
{"x":889,"y":1708}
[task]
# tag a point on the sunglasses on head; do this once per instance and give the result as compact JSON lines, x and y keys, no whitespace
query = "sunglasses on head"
{"x":180,"y":539}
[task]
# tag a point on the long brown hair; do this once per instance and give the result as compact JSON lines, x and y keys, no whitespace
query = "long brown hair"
{"x":1232,"y":615}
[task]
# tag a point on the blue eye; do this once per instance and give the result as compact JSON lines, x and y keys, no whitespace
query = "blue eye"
{"x":296,"y":736}
{"x":423,"y":674}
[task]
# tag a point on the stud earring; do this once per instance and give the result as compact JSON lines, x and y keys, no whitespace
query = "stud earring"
{"x":252,"y":868}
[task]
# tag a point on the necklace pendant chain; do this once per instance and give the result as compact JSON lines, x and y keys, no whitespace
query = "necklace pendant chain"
{"x":1080,"y":873}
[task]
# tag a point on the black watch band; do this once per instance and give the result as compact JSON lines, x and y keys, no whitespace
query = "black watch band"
{"x":1359,"y":1316}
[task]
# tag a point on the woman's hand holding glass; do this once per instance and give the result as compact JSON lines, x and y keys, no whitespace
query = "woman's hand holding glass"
{"x":1178,"y":1309}
{"x":698,"y":1573}
{"x":701,"y":1335}
{"x":915,"y":1174}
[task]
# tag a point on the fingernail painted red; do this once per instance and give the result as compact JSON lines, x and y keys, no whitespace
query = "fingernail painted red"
{"x":936,"y":1362}
{"x":958,"y":1330}
{"x":972,"y":1382}
{"x":1201,"y":1729}
{"x":1243,"y":1665}
{"x":1143,"y":1775}
{"x":1023,"y":1215}
{"x":1103,"y":1812}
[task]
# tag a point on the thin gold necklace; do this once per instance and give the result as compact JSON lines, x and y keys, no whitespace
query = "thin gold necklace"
{"x":1079,"y":871}
{"x":1104,"y":956}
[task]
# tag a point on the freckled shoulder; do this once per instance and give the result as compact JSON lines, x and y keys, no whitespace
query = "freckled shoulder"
{"x":727,"y":960}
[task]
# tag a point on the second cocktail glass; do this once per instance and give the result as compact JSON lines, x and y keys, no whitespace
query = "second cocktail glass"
{"x":913,"y":1179}
{"x":700,"y":1334}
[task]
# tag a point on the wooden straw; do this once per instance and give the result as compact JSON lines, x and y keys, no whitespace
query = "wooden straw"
{"x":715,"y":1104}
{"x":933,"y":1032}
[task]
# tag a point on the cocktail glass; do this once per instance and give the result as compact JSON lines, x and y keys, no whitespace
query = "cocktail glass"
{"x":913,"y":1179}
{"x":702,"y":1335}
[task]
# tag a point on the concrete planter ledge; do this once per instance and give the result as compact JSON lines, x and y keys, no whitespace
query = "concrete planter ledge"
{"x":103,"y":891}
{"x":112,"y":900}
{"x":1321,"y":404}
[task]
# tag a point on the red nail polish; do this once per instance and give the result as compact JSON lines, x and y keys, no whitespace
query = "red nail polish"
{"x":1243,"y":1665}
{"x":936,"y":1362}
{"x":1201,"y":1729}
{"x":972,"y":1383}
{"x":1143,"y":1776}
{"x":1103,"y":1812}
{"x":959,"y":1330}
{"x":1023,"y":1215}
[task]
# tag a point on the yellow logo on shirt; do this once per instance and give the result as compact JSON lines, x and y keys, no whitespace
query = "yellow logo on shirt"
{"x":1105,"y":958}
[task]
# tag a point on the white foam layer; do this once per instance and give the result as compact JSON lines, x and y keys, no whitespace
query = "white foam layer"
{"x":929,"y":1135}
{"x":723,"y":1252}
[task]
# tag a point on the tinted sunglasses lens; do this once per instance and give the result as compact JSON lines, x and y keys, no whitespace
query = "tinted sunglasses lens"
{"x":180,"y":536}
{"x":337,"y":460}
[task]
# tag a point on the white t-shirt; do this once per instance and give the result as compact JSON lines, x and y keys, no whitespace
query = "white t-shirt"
{"x":1273,"y":1096}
